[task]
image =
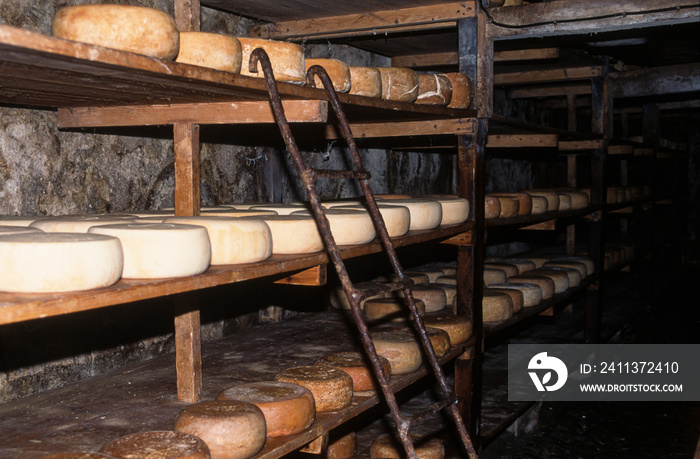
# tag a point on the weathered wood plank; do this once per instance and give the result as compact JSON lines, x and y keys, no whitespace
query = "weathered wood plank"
{"x":187,"y":15}
{"x":572,"y":145}
{"x":452,"y":57}
{"x":314,"y":276}
{"x":521,"y":140}
{"x":547,"y":75}
{"x":552,"y":91}
{"x":656,"y":81}
{"x":406,"y":128}
{"x":549,"y":225}
{"x":620,"y":149}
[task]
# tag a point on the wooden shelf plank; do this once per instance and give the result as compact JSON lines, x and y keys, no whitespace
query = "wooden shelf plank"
{"x":457,"y":126}
{"x":547,"y":75}
{"x":574,"y":145}
{"x":527,"y":220}
{"x":452,"y":57}
{"x":521,"y":140}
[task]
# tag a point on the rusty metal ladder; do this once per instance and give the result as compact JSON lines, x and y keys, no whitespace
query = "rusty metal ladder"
{"x":355,"y":296}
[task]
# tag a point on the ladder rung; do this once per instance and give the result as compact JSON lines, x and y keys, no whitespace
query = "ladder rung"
{"x":341,"y":174}
{"x":434,"y":408}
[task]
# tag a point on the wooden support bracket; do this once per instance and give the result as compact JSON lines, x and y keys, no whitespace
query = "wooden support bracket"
{"x":314,"y":276}
{"x":459,"y":239}
{"x":549,"y":225}
{"x":548,"y":312}
{"x":317,"y":446}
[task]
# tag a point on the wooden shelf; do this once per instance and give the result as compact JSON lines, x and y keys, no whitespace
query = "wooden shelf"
{"x":85,"y":416}
{"x":21,"y":307}
{"x":550,"y":218}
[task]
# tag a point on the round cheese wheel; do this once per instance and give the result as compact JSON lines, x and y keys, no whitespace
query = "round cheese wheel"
{"x":579,"y":199}
{"x":577,"y":265}
{"x":287,"y":59}
{"x":425,"y":213}
{"x":18,"y":230}
{"x":539,"y":205}
{"x":524,"y":201}
{"x":434,"y":298}
{"x":560,"y":279}
{"x":508,"y":268}
{"x":338,"y":72}
{"x":339,"y":300}
{"x":216,"y":51}
{"x":386,"y":447}
{"x":461,"y":90}
{"x":494,"y":276}
{"x":332,"y":388}
{"x":357,"y":366}
{"x":288,"y":408}
{"x":280,"y":209}
{"x":449,"y":280}
{"x":573,"y":275}
{"x":454,"y":209}
{"x":159,"y":250}
{"x":135,"y":29}
{"x":17,"y":220}
{"x":432,"y":272}
{"x":458,"y":328}
{"x":532,"y":293}
{"x":399,"y":84}
{"x":395,"y":309}
{"x":77,"y":223}
{"x":450,"y":291}
{"x":537,"y":261}
{"x":415,"y":277}
{"x":516,"y":296}
{"x":159,"y":444}
{"x":293,"y":234}
{"x":546,"y":284}
{"x":79,"y":455}
{"x":496,"y":307}
{"x":380,"y":197}
{"x":344,"y":447}
{"x":348,"y":226}
{"x":492,"y":207}
{"x":564,"y":201}
{"x":402,"y":350}
{"x":439,"y":339}
{"x":233,"y":240}
{"x":520,"y":263}
{"x":434,"y":89}
{"x":396,"y":218}
{"x":231,"y":429}
{"x":509,"y":205}
{"x":365,"y":81}
{"x":590,"y":266}
{"x":58,"y":262}
{"x":447,"y":268}
{"x":353,"y":203}
{"x":551,"y":196}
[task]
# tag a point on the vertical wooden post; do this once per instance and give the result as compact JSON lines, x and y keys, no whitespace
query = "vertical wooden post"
{"x":571,"y":112}
{"x":187,"y":16}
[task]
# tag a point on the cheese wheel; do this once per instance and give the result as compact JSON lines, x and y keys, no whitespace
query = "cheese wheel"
{"x":233,"y":240}
{"x":560,"y":279}
{"x":434,"y":89}
{"x":159,"y":250}
{"x":386,"y":447}
{"x":288,"y":408}
{"x":449,"y":280}
{"x":496,"y":307}
{"x":546,"y":284}
{"x":532,"y":293}
{"x":577,"y":265}
{"x":357,"y":366}
{"x":551,"y":196}
{"x":338,"y":72}
{"x":520,"y":263}
{"x":425,"y":213}
{"x":458,"y":328}
{"x":397,"y":219}
{"x":235,"y":213}
{"x":365,"y":81}
{"x":508,"y":268}
{"x":231,"y":429}
{"x":524,"y":201}
{"x":434,"y":298}
{"x":573,"y":275}
{"x":439,"y":339}
{"x":590,"y":266}
{"x":77,"y":223}
{"x":353,"y":203}
{"x":537,"y":261}
{"x":128,"y":28}
{"x":159,"y":444}
{"x":516,"y":296}
{"x":513,"y":2}
{"x":344,"y":447}
{"x":509,"y":205}
{"x":18,"y":220}
{"x":287,"y":59}
{"x":216,"y":51}
{"x":380,"y":197}
{"x":454,"y":209}
{"x":339,"y":300}
{"x":492,"y":207}
{"x":399,"y":84}
{"x":432,"y":272}
{"x":564,"y":201}
{"x":395,"y":309}
{"x":461,"y":90}
{"x":539,"y":205}
{"x":280,"y":209}
{"x":58,"y":262}
{"x":348,"y":227}
{"x":18,"y":230}
{"x":449,"y":290}
{"x":332,"y":388}
{"x":494,"y":276}
{"x":402,"y":350}
{"x":447,"y":268}
{"x":415,"y":277}
{"x":293,"y":234}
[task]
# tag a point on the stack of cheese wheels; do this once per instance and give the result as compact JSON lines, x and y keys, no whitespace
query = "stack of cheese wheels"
{"x":524,"y":201}
{"x":454,"y":209}
{"x":539,"y":205}
{"x":461,"y":90}
{"x":386,"y":447}
{"x":494,"y":276}
{"x":331,"y":388}
{"x":58,"y":262}
{"x":397,"y":219}
{"x":293,"y":234}
{"x":287,"y":59}
{"x":492,"y":207}
{"x":230,"y":428}
{"x":521,"y":264}
{"x":401,"y":349}
{"x":433,"y":298}
{"x":425,"y":213}
{"x":577,"y":265}
{"x":158,"y":444}
{"x":18,"y":230}
{"x":587,"y":262}
{"x":339,"y":300}
{"x":343,"y":447}
{"x":450,"y":291}
{"x":434,"y":89}
{"x":77,"y":223}
{"x":458,"y":328}
{"x":288,"y":408}
{"x":399,"y":84}
{"x":128,"y":28}
{"x":496,"y":307}
{"x":551,"y":196}
{"x":431,"y":271}
{"x":546,"y":284}
{"x":508,"y":268}
{"x":516,"y":296}
{"x":532,"y":293}
{"x":509,"y":205}
{"x":365,"y":81}
{"x":159,"y":250}
{"x":216,"y":51}
{"x":348,"y":226}
{"x":395,"y":309}
{"x":564,"y":201}
{"x":17,"y":220}
{"x":338,"y":72}
{"x":233,"y":240}
{"x":357,"y":366}
{"x":560,"y":278}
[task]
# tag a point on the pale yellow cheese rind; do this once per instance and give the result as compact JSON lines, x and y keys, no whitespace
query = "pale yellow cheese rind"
{"x":287,"y":59}
{"x":216,"y":51}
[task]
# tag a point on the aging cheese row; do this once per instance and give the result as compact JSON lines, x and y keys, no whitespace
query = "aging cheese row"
{"x":534,"y":202}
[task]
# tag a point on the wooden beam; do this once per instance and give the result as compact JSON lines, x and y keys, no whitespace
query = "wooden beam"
{"x":314,"y":276}
{"x":656,"y":81}
{"x":532,"y":54}
{"x":549,"y":225}
{"x":643,"y":152}
{"x":521,"y":140}
{"x":452,"y":58}
{"x":572,"y":145}
{"x":551,"y":91}
{"x":547,"y":75}
{"x":620,"y":149}
{"x":407,"y":128}
{"x":460,"y":239}
{"x":249,"y":112}
{"x":376,"y":22}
